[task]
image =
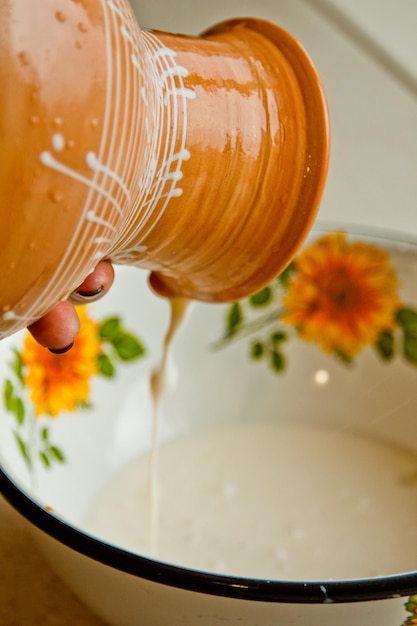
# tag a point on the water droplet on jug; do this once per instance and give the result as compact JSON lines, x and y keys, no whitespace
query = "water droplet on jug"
{"x":58,"y":142}
{"x":34,"y":96}
{"x":56,"y":195}
{"x":61,"y":17}
{"x":82,"y":27}
{"x":23,"y":58}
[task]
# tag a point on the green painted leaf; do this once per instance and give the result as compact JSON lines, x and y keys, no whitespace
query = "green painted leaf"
{"x":57,"y":454}
{"x":105,"y":365}
{"x":109,"y":328}
{"x":262,"y":298}
{"x":410,"y":348}
{"x":385,"y":345}
{"x":19,"y":410}
{"x":278,"y":336}
{"x":285,"y":276}
{"x":8,"y":394}
{"x":234,"y":317}
{"x":23,"y":448}
{"x":44,"y":433}
{"x":411,"y":605}
{"x":407,"y":319}
{"x":85,"y":406}
{"x":277,"y":361}
{"x":44,"y":458}
{"x":13,"y":403}
{"x":127,"y":346}
{"x":343,"y":357}
{"x":18,"y":366}
{"x":257,"y":350}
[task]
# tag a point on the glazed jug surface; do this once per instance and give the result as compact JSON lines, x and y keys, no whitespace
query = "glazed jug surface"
{"x":202,"y":159}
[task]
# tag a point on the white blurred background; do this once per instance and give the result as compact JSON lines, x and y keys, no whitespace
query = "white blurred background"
{"x":366,"y":53}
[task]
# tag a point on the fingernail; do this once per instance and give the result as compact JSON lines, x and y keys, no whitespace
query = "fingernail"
{"x":89,"y":294}
{"x":61,"y":350}
{"x":78,"y":297}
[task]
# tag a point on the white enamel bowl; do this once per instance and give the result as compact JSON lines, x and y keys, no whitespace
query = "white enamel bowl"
{"x":214,"y":389}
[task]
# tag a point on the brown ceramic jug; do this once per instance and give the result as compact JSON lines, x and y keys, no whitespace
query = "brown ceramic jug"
{"x":201,"y":159}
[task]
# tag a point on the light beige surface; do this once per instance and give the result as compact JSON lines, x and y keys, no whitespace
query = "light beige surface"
{"x":30,"y":593}
{"x":390,"y":25}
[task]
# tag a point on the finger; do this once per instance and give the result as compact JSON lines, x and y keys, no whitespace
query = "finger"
{"x":57,"y":329}
{"x":95,"y":285}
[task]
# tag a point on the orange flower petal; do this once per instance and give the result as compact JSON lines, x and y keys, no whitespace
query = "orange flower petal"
{"x":59,"y":383}
{"x":343,"y":294}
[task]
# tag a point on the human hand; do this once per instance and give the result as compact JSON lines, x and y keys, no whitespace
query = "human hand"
{"x":57,"y":329}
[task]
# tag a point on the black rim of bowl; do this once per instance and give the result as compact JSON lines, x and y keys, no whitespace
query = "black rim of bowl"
{"x":261,"y":590}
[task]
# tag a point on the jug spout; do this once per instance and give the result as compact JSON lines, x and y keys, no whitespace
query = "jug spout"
{"x":201,"y":159}
{"x":255,"y":160}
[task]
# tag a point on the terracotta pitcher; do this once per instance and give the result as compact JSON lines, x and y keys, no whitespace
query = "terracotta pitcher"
{"x":201,"y":159}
